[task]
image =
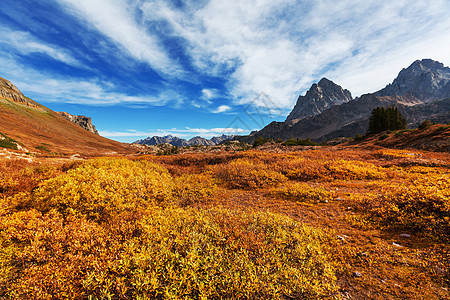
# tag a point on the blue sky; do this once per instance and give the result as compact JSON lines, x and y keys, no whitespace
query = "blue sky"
{"x":206,"y":67}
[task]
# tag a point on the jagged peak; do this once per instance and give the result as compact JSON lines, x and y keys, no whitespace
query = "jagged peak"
{"x":325,"y":81}
{"x":320,"y":96}
{"x":424,"y":80}
{"x":426,"y":62}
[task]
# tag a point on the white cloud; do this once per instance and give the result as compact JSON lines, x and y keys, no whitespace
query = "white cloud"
{"x":25,"y":44}
{"x":50,"y":88}
{"x":281,"y":47}
{"x":208,"y":94}
{"x":257,"y":46}
{"x":221,"y":109}
{"x":116,"y":19}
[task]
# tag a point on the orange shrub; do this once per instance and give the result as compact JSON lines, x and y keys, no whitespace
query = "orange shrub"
{"x":354,"y":170}
{"x":243,"y":173}
{"x":193,"y":188}
{"x":103,"y":187}
{"x":422,"y":206}
{"x":302,"y":192}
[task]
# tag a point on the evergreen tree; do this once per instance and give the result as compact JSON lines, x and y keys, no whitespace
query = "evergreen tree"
{"x":383,"y":119}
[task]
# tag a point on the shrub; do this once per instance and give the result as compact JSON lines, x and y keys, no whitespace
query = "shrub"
{"x":243,"y":173}
{"x":298,"y":168}
{"x":103,"y":187}
{"x":423,"y":206}
{"x":354,"y":170}
{"x":300,"y":142}
{"x":193,"y":188}
{"x":169,"y":254}
{"x":261,"y":141}
{"x":7,"y":142}
{"x":425,"y":124}
{"x":302,"y":192}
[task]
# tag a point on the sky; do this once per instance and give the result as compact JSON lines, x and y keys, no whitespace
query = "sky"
{"x":140,"y":68}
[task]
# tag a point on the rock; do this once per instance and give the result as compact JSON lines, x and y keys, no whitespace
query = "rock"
{"x":357,"y":274}
{"x":424,"y":80}
{"x":10,"y":91}
{"x":82,"y":121}
{"x":319,"y":97}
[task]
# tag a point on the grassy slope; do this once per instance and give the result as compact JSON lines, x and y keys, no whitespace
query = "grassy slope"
{"x":40,"y":126}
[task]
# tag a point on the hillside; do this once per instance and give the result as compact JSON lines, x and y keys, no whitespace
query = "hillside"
{"x":39,"y":129}
{"x":426,"y":137}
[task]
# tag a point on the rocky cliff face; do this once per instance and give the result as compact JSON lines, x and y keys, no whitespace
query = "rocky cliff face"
{"x":320,"y":97}
{"x":82,"y":121}
{"x":10,"y":91}
{"x":424,"y":80}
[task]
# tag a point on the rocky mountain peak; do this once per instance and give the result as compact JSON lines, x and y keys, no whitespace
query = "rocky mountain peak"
{"x":82,"y":121}
{"x":424,"y":80}
{"x":10,"y":91}
{"x":319,"y":97}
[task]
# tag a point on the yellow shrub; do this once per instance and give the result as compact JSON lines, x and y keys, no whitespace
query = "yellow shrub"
{"x":230,"y":255}
{"x":354,"y":170}
{"x":172,"y":253}
{"x":423,"y":205}
{"x":243,"y":173}
{"x":298,"y":168}
{"x":302,"y":192}
{"x":193,"y":188}
{"x":103,"y":187}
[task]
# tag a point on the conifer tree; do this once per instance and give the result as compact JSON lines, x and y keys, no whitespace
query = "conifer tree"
{"x":383,"y":119}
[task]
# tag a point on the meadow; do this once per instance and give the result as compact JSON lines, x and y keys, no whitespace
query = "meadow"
{"x":323,"y":223}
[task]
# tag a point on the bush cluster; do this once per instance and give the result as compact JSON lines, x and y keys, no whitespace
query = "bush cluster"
{"x":244,"y":173}
{"x":102,"y":231}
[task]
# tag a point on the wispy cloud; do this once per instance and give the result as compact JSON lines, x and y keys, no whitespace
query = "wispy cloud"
{"x":221,"y":109}
{"x":257,"y":46}
{"x":52,"y":88}
{"x":25,"y":44}
{"x":117,"y":20}
{"x":281,"y":47}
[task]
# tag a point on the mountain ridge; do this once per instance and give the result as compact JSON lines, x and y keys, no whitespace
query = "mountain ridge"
{"x":178,"y":142}
{"x":425,"y":84}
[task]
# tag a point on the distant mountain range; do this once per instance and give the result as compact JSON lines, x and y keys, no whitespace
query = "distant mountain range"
{"x":421,"y":92}
{"x":176,"y":141}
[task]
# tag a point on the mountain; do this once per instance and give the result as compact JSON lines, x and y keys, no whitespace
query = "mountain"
{"x":424,"y":80}
{"x":39,"y":129}
{"x":198,"y":140}
{"x":320,"y":96}
{"x":10,"y":91}
{"x":176,"y":141}
{"x":82,"y":121}
{"x":219,"y":139}
{"x":421,"y":92}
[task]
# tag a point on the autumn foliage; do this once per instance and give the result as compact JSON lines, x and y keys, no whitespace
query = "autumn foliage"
{"x":247,"y":225}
